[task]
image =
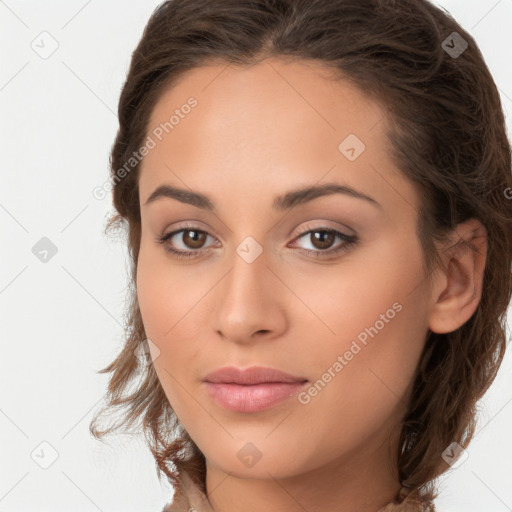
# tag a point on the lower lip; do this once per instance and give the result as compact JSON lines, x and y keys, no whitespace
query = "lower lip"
{"x":253,"y":398}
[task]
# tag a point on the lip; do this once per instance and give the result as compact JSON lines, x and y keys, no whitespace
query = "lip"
{"x":251,"y":375}
{"x":251,"y":389}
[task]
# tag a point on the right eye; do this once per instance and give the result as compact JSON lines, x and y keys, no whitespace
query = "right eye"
{"x":189,"y":238}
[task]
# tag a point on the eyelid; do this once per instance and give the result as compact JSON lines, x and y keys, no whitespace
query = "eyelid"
{"x":194,"y":225}
{"x":188,"y":225}
{"x":322,"y":224}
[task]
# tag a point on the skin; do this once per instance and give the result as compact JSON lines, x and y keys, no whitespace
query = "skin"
{"x":257,"y":133}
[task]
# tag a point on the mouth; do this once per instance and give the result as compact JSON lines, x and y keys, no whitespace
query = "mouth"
{"x":252,"y":389}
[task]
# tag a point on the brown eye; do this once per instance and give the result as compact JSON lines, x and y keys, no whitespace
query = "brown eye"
{"x":194,"y":239}
{"x":186,"y":243}
{"x":322,"y":242}
{"x":322,"y":239}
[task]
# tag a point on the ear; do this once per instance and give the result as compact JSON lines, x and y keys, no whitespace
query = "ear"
{"x":460,"y":285}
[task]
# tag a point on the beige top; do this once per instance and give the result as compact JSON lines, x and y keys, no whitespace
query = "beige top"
{"x":190,"y":498}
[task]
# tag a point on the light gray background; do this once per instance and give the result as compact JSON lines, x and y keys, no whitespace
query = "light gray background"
{"x":61,"y":321}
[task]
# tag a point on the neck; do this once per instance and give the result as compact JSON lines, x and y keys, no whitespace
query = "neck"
{"x":360,"y":482}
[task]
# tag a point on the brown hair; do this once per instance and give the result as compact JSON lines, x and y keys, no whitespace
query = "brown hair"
{"x":447,"y":135}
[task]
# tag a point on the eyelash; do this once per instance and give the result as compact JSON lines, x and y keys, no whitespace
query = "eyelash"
{"x":350,"y":240}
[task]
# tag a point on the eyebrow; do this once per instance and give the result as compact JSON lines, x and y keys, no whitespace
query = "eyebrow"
{"x":284,"y":202}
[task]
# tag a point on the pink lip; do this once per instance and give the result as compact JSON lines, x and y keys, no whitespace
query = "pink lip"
{"x":252,"y":389}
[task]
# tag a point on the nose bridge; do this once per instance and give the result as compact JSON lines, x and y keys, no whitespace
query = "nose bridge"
{"x":245,"y":283}
{"x":247,"y":300}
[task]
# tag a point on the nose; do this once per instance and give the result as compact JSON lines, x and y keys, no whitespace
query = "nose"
{"x":250,"y":302}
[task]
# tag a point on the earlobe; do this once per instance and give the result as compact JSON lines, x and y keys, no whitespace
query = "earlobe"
{"x":464,"y":258}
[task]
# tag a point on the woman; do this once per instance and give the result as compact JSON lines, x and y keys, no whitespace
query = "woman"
{"x":315,"y":194}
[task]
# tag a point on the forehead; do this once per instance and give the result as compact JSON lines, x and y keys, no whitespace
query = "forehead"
{"x":272,"y":94}
{"x":265,"y":122}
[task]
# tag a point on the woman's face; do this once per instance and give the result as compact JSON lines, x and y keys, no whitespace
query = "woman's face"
{"x":326,"y":285}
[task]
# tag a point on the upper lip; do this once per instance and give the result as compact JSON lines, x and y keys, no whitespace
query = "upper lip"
{"x":252,"y":375}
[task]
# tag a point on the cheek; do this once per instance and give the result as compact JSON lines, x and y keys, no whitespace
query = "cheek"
{"x":166,"y":306}
{"x":365,"y":291}
{"x":167,"y":295}
{"x":364,"y":385}
{"x":172,"y":302}
{"x":370,"y":328}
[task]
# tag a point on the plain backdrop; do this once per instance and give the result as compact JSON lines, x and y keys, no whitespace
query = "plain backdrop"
{"x":61,"y":320}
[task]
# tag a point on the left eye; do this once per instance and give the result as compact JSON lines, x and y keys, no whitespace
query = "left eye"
{"x":322,"y":240}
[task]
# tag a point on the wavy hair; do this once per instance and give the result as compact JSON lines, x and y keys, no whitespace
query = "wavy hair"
{"x":447,"y":136}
